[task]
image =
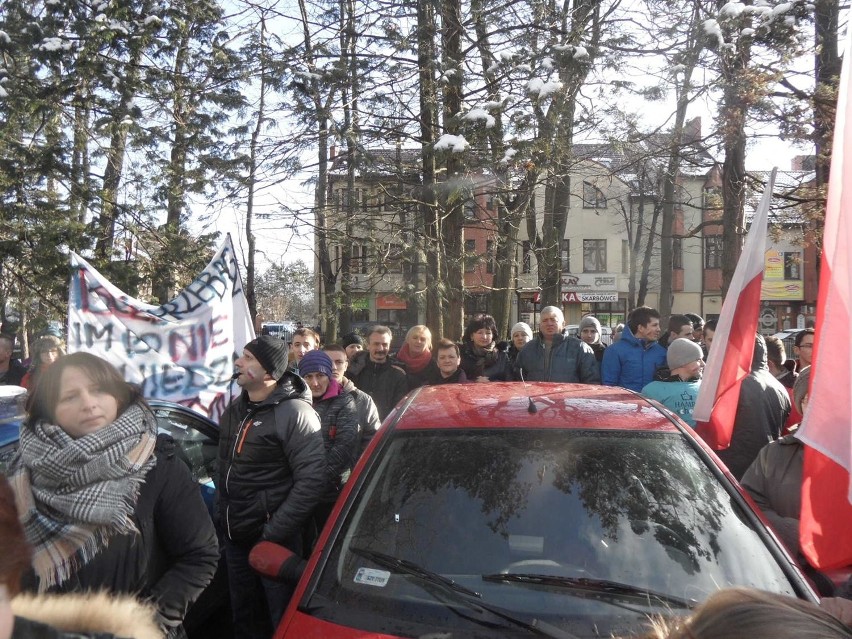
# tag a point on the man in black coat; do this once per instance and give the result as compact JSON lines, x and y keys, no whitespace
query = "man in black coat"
{"x":11,"y":370}
{"x":271,"y":476}
{"x":761,"y":412}
{"x":375,"y":374}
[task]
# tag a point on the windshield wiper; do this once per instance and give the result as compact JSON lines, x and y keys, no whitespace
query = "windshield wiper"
{"x":403,"y":565}
{"x":592,"y":585}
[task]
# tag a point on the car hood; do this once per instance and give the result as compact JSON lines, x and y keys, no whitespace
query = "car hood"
{"x":307,"y":627}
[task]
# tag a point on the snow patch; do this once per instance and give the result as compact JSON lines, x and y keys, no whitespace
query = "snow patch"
{"x":712,"y":29}
{"x":475,"y":115}
{"x":732,"y":10}
{"x":54,"y":44}
{"x":454,"y":143}
{"x":508,"y":156}
{"x":543,"y":89}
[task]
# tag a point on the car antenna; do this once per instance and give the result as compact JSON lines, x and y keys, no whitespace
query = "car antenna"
{"x":532,"y":409}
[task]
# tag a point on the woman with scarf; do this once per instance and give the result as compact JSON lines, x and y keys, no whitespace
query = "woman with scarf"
{"x":105,"y":503}
{"x":416,"y":356}
{"x":481,"y":360}
{"x":45,"y":351}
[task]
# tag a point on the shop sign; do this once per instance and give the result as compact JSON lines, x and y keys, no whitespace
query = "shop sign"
{"x":390,"y":301}
{"x":598,"y":282}
{"x":573,"y":297}
{"x":361,"y":303}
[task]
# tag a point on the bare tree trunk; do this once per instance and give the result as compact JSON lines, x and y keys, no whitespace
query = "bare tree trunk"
{"x":115,"y":159}
{"x":426,"y":56}
{"x":736,"y":102}
{"x":329,"y":299}
{"x":164,"y":284}
{"x":251,"y":296}
{"x":646,"y":259}
{"x":453,"y":230}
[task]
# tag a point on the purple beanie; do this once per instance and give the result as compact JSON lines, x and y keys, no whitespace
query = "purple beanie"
{"x":316,"y":362}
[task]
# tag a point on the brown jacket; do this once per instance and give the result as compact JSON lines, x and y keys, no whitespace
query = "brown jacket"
{"x":774,"y":481}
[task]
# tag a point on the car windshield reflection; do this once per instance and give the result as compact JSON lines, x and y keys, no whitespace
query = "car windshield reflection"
{"x":637,"y":509}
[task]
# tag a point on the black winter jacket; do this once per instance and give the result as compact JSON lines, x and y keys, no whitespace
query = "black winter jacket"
{"x":368,"y":415}
{"x":174,"y":556}
{"x":761,"y":412}
{"x":496,"y":367}
{"x":271,"y":464}
{"x":339,"y":418}
{"x":385,"y":383}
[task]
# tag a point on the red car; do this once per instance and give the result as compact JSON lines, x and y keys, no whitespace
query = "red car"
{"x":557,"y":510}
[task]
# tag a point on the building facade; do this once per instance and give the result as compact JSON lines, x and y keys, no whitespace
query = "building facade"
{"x":614,"y":210}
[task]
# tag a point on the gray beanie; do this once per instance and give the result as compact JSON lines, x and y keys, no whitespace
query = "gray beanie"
{"x":521,"y":326}
{"x":800,"y":387}
{"x":681,"y":352}
{"x":590,"y":322}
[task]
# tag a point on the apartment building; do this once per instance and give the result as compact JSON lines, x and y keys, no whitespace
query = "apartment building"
{"x":613,"y":199}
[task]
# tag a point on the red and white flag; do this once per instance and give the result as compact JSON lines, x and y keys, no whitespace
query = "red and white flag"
{"x":729,"y":360}
{"x":825,"y":526}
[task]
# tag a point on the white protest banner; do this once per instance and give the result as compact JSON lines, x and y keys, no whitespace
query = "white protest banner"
{"x":182,"y":351}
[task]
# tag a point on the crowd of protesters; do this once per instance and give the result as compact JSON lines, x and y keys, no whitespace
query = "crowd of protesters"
{"x":289,"y":441}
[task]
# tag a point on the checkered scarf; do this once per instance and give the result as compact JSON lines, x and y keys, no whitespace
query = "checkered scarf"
{"x":74,"y":494}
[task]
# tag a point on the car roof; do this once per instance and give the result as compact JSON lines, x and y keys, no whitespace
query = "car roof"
{"x":507,"y":405}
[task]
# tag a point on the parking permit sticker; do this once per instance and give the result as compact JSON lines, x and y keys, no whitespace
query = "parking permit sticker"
{"x":372,"y":577}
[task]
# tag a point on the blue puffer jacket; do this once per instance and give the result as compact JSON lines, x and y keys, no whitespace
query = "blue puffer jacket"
{"x":571,"y":360}
{"x":631,"y":362}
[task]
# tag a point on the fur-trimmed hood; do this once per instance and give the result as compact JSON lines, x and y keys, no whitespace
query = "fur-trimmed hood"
{"x":121,"y":616}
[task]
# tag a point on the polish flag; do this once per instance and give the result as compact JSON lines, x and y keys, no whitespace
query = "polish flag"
{"x":825,"y":526}
{"x":729,"y":360}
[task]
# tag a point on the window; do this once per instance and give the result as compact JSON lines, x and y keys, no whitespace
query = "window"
{"x":713,"y":251}
{"x":792,"y":265}
{"x":475,"y":303}
{"x":677,"y":253}
{"x":593,"y":197}
{"x":526,"y":257}
{"x":393,"y":258}
{"x":594,"y":256}
{"x":564,"y":256}
{"x":469,"y":256}
{"x":358,"y":262}
{"x":470,"y":209}
{"x":358,"y":200}
{"x":625,"y":256}
{"x":489,"y":256}
{"x":551,"y":506}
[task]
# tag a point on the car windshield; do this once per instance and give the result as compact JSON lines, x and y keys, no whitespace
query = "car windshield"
{"x":623,"y":524}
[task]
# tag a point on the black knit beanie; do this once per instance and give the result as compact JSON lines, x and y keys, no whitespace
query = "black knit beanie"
{"x":352,"y":338}
{"x":271,"y":352}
